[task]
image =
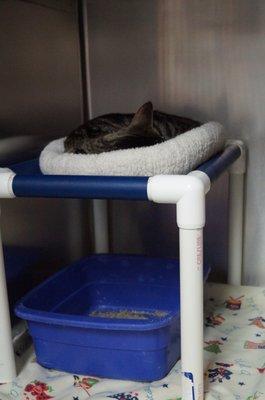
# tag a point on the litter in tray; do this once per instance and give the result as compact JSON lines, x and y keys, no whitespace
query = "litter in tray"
{"x":127,"y":314}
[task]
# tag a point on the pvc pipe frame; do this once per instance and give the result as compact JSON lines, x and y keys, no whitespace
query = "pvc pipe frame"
{"x":188,"y":193}
{"x":191,"y":299}
{"x":235,"y":228}
{"x":7,"y":359}
{"x":101,"y":228}
{"x":236,"y":215}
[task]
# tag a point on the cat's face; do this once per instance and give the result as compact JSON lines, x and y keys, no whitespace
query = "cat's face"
{"x":140,"y":132}
{"x":76,"y":141}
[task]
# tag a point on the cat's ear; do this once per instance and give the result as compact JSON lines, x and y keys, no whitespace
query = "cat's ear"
{"x":144,"y":116}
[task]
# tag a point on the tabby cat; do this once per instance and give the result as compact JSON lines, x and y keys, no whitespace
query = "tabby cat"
{"x":124,"y":131}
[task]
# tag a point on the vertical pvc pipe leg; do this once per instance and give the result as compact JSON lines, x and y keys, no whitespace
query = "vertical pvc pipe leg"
{"x":235,"y":234}
{"x":191,"y":296}
{"x":7,"y":360}
{"x":100,"y":212}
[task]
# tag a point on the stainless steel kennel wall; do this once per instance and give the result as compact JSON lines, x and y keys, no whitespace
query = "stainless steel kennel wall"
{"x":196,"y":58}
{"x":203,"y":59}
{"x":40,"y":97}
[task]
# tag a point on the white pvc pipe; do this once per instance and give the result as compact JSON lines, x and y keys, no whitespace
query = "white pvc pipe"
{"x":101,"y":229}
{"x":191,"y":297}
{"x":7,"y":359}
{"x":74,"y":231}
{"x":235,"y":233}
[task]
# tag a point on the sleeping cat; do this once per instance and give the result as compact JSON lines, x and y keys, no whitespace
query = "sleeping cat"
{"x":123,"y":131}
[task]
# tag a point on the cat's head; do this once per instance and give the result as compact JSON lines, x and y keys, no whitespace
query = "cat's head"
{"x":139,"y":132}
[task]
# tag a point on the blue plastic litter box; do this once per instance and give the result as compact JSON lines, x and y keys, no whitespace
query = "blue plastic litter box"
{"x":113,"y":316}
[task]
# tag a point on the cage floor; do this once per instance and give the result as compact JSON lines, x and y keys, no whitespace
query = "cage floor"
{"x":234,"y":359}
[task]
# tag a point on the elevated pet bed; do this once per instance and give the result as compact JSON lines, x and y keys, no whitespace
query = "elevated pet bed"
{"x":179,"y":155}
{"x":187,"y":192}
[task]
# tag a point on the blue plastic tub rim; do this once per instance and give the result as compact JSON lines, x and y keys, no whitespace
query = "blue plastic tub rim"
{"x":79,"y":321}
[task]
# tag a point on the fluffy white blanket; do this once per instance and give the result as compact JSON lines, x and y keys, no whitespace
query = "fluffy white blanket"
{"x":179,"y":155}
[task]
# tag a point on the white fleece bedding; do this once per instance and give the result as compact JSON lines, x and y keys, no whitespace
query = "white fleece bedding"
{"x":179,"y":155}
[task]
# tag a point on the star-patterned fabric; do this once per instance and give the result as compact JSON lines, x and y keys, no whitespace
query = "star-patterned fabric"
{"x":234,"y":359}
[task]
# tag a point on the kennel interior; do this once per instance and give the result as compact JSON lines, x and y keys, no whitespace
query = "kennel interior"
{"x":197,"y":59}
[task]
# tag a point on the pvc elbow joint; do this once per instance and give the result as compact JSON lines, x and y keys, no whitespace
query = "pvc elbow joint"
{"x":186,"y":191}
{"x":6,"y":180}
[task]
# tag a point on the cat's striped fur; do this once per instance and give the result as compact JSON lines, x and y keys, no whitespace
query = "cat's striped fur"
{"x":122,"y":131}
